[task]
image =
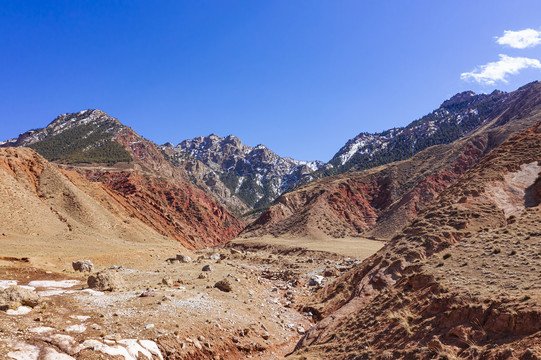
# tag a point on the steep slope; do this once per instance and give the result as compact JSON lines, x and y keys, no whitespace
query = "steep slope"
{"x":380,"y":201}
{"x":459,"y":281}
{"x":256,"y":175}
{"x":166,"y":199}
{"x":40,"y":205}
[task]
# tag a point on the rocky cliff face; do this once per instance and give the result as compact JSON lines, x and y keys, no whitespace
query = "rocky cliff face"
{"x":255,"y":174}
{"x":379,"y":202}
{"x":442,"y":286}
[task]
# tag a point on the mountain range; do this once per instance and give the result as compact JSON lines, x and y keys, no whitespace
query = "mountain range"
{"x":245,"y":179}
{"x":450,"y":206}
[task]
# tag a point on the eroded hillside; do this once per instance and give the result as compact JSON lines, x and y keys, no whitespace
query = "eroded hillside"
{"x":459,"y":281}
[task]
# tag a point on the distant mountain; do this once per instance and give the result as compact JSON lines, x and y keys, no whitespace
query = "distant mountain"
{"x":136,"y":176}
{"x":255,"y":174}
{"x":86,"y":136}
{"x":454,"y":119}
{"x":380,"y":201}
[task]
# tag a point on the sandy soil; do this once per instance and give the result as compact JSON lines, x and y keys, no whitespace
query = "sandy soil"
{"x":185,"y":316}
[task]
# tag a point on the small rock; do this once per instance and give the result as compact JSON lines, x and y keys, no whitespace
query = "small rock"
{"x":315,"y":280}
{"x":83,"y":265}
{"x":207,"y":268}
{"x":235,"y":251}
{"x":105,"y":281}
{"x":215,"y":256}
{"x":147,"y":294}
{"x":300,"y":330}
{"x":184,"y":258}
{"x":203,"y":276}
{"x":265,"y":336}
{"x":167,"y":281}
{"x":149,"y":326}
{"x":224,"y":285}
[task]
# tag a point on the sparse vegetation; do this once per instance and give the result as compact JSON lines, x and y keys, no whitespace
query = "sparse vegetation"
{"x":90,"y":143}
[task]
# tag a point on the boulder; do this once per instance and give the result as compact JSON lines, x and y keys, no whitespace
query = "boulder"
{"x":184,"y":258}
{"x":207,"y":268}
{"x":224,"y":285}
{"x":15,"y":296}
{"x":82,"y":265}
{"x":106,"y":280}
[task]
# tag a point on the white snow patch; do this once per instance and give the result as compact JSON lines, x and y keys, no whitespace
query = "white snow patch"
{"x":52,"y":354}
{"x":76,"y":328}
{"x":80,"y":317}
{"x":152,"y":347}
{"x":54,"y":292}
{"x":92,"y":292}
{"x":24,"y":351}
{"x":134,"y":348}
{"x":22,"y":310}
{"x":4,"y":284}
{"x":41,"y":330}
{"x":53,"y":283}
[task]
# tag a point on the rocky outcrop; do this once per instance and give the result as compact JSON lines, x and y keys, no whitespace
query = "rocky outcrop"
{"x":256,"y":175}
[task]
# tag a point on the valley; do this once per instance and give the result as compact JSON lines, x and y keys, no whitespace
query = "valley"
{"x":213,"y":249}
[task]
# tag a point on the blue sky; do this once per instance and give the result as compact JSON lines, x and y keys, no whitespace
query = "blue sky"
{"x":301,"y":77}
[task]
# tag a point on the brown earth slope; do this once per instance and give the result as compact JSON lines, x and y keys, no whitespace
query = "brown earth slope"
{"x":379,"y":202}
{"x":461,"y":281}
{"x":41,"y":201}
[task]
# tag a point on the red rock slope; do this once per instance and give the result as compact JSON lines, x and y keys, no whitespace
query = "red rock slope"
{"x":461,"y":281}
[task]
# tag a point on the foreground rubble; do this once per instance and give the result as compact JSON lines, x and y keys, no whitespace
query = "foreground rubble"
{"x":248,"y":306}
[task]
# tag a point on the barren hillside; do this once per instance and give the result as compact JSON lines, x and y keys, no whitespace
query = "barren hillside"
{"x":459,"y":281}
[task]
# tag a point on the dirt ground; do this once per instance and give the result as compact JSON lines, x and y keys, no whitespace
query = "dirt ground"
{"x":184,"y":315}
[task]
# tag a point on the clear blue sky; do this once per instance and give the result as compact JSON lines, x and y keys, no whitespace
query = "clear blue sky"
{"x":301,"y":77}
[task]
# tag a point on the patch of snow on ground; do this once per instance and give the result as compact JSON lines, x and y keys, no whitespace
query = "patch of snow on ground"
{"x":52,"y":354}
{"x":53,"y":283}
{"x":4,"y":284}
{"x":41,"y":329}
{"x":76,"y":328}
{"x":134,"y":348}
{"x":24,"y":351}
{"x":22,"y":310}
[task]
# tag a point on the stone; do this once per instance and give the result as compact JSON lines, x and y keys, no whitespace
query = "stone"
{"x":224,"y":285}
{"x":235,"y":252}
{"x":203,"y":276}
{"x":83,"y":265}
{"x":167,"y":281}
{"x":315,"y":280}
{"x":147,"y":294}
{"x":215,"y":256}
{"x":184,"y":258}
{"x":106,"y":280}
{"x":15,"y":296}
{"x":207,"y":268}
